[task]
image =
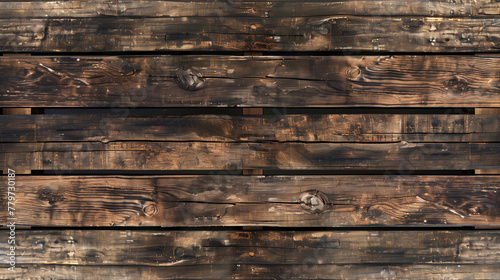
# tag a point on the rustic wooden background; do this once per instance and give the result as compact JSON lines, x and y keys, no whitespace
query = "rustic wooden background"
{"x":234,"y":139}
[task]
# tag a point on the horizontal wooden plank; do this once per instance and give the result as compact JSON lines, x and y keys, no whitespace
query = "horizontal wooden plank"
{"x":269,"y":81}
{"x":277,"y":127}
{"x":222,"y":200}
{"x":124,"y":272}
{"x":185,"y":248}
{"x":259,"y":8}
{"x":187,"y":81}
{"x":256,"y":271}
{"x":229,"y":156}
{"x":309,"y":271}
{"x":215,"y":33}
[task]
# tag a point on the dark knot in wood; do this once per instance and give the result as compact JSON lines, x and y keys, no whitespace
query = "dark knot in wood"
{"x":188,"y":80}
{"x":313,"y":201}
{"x":353,"y":72}
{"x":49,"y":196}
{"x":456,"y":85}
{"x":150,"y":209}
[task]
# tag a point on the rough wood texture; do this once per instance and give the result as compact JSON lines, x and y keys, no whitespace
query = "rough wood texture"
{"x":256,"y":271}
{"x":215,"y":33}
{"x":394,"y":272}
{"x":224,"y":128}
{"x":124,"y":272}
{"x":217,"y":200}
{"x":230,"y":156}
{"x":213,"y":81}
{"x":310,"y":248}
{"x":259,"y":8}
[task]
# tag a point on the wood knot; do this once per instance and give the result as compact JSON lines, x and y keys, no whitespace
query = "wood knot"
{"x":188,"y":80}
{"x":353,"y":72}
{"x":49,"y":196}
{"x":179,"y":252}
{"x":313,"y":201}
{"x":456,"y":85}
{"x":150,"y":209}
{"x":324,"y":29}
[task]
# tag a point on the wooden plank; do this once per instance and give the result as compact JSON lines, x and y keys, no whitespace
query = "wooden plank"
{"x":416,"y":272}
{"x":186,"y":248}
{"x":119,"y":272}
{"x":256,"y":271}
{"x":254,"y":8}
{"x":267,"y":156}
{"x":215,"y":33}
{"x":269,"y":81}
{"x":227,"y":128}
{"x":217,"y":200}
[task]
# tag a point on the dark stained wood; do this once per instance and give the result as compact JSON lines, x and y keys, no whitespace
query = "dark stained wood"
{"x":255,"y":271}
{"x":215,"y":33}
{"x":367,"y":272}
{"x":220,"y":81}
{"x":268,"y":156}
{"x":293,"y":201}
{"x":123,"y":272}
{"x":309,"y":271}
{"x":186,"y":248}
{"x":277,"y":127}
{"x":254,"y":8}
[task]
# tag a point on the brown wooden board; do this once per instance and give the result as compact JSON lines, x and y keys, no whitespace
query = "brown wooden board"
{"x":276,"y":127}
{"x":291,"y":201}
{"x":255,"y":271}
{"x":215,"y":33}
{"x":254,"y":8}
{"x":267,"y":156}
{"x":186,"y":248}
{"x":133,"y":272}
{"x":394,"y":272}
{"x":269,"y":81}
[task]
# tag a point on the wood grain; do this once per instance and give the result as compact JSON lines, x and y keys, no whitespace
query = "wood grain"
{"x":186,"y":248}
{"x":125,"y":272}
{"x":291,"y":201}
{"x":255,"y":271}
{"x":215,"y":33}
{"x":259,"y":8}
{"x":267,"y":156}
{"x":232,"y":128}
{"x":269,"y":81}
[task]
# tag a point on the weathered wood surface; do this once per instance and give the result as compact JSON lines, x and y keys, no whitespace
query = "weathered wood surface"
{"x":394,"y":272}
{"x":256,"y":271}
{"x":215,"y":33}
{"x":185,"y":248}
{"x":269,"y":81}
{"x":124,"y":272}
{"x":218,"y":200}
{"x":259,"y":8}
{"x":229,"y":156}
{"x":227,"y":128}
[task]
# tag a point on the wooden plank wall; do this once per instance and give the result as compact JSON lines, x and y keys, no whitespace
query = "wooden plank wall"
{"x":277,"y":139}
